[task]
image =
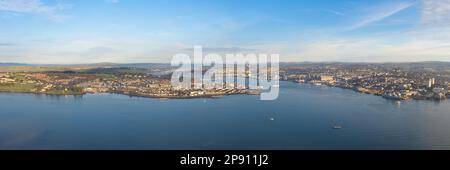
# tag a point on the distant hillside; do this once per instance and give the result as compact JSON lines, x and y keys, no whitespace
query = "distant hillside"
{"x":145,"y":65}
{"x":427,"y":65}
{"x":12,"y":64}
{"x":115,"y":65}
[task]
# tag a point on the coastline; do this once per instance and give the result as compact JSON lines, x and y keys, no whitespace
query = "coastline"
{"x":355,"y":89}
{"x":129,"y":94}
{"x":217,"y":95}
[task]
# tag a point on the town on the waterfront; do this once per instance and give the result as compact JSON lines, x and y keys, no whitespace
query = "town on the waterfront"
{"x":397,"y":81}
{"x":125,"y":81}
{"x":400,"y":81}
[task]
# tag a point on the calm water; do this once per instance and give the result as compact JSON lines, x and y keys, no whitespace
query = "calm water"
{"x":304,"y":116}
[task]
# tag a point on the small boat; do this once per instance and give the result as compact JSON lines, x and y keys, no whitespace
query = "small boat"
{"x":337,"y":127}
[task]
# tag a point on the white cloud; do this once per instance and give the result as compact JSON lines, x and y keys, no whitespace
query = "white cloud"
{"x":91,"y":51}
{"x":417,"y":44}
{"x":26,"y":6}
{"x":435,"y":12}
{"x":334,"y":12}
{"x":32,"y":7}
{"x":428,"y":41}
{"x":380,"y":14}
{"x":404,"y":47}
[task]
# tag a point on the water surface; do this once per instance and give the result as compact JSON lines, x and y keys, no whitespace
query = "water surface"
{"x":303,"y":117}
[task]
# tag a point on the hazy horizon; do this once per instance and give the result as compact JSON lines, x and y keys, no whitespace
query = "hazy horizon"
{"x":141,"y":31}
{"x":293,"y":62}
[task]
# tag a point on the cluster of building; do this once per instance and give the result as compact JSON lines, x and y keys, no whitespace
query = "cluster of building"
{"x":5,"y":78}
{"x":392,"y":83}
{"x":139,"y":84}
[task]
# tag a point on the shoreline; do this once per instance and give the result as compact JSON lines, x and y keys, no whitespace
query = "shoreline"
{"x":219,"y":96}
{"x":130,"y":95}
{"x":376,"y":94}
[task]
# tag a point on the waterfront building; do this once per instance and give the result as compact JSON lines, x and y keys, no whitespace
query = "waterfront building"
{"x":438,"y":90}
{"x":7,"y":80}
{"x":431,"y":82}
{"x":326,"y":78}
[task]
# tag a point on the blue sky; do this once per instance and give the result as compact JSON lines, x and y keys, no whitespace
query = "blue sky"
{"x":89,"y":31}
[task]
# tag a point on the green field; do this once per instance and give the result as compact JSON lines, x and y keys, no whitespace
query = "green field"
{"x":29,"y":88}
{"x":17,"y":87}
